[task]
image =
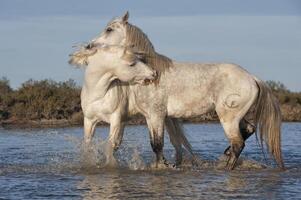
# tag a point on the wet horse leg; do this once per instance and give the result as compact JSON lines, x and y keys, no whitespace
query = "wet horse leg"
{"x":237,"y":143}
{"x":114,"y":139}
{"x":174,"y":139}
{"x":247,"y":129}
{"x":89,"y":129}
{"x":231,"y":118}
{"x":156,"y":130}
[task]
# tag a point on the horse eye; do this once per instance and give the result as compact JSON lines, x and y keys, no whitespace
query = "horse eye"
{"x":109,"y":29}
{"x":133,"y":64}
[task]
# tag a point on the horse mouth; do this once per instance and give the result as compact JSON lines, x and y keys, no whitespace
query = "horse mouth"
{"x":92,"y":45}
{"x":80,"y":57}
{"x":143,"y":81}
{"x":89,"y":46}
{"x":148,"y":81}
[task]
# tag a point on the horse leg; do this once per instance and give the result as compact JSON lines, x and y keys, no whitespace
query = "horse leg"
{"x":178,"y":138}
{"x":231,"y":118}
{"x":114,"y":140}
{"x":156,"y":129}
{"x":175,"y":141}
{"x":89,"y":129}
{"x":246,"y":129}
{"x":118,"y":131}
{"x":233,"y":134}
{"x":87,"y":151}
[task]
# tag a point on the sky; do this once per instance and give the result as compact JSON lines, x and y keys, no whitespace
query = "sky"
{"x":263,"y":36}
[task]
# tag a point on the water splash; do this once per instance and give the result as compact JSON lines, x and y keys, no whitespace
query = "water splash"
{"x":77,"y":157}
{"x":100,"y":154}
{"x":196,"y":163}
{"x":136,"y":162}
{"x":92,"y":155}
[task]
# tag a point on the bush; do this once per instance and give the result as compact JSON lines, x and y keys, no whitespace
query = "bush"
{"x":277,"y":86}
{"x":5,"y":98}
{"x":4,"y":86}
{"x":284,"y":95}
{"x":45,"y":99}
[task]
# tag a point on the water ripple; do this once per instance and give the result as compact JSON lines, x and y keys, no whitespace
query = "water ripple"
{"x":52,"y":164}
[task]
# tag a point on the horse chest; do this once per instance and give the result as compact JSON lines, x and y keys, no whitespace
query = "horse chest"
{"x":100,"y":110}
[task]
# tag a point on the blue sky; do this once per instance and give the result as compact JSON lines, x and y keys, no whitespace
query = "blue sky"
{"x":263,"y":36}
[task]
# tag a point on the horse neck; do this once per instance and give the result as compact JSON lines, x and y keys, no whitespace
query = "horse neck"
{"x":148,"y":47}
{"x":142,"y":43}
{"x":97,"y":82}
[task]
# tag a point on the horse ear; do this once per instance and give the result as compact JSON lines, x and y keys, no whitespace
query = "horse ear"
{"x":126,"y":16}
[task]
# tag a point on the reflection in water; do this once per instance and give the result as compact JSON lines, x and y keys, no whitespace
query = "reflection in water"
{"x":95,"y":187}
{"x":235,"y":182}
{"x":123,"y":184}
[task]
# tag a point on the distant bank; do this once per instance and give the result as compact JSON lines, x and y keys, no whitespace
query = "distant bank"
{"x":47,"y":103}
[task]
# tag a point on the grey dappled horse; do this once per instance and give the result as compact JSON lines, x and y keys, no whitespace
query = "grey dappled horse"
{"x":192,"y":89}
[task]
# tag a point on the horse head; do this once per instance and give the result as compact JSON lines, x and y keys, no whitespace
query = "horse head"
{"x":121,"y":62}
{"x":113,"y":34}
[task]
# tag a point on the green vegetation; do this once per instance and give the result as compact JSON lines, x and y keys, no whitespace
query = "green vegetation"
{"x":51,"y":101}
{"x":39,"y":100}
{"x":290,"y":101}
{"x":284,"y":95}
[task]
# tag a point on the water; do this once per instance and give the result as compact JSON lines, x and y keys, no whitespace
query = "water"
{"x":50,"y":164}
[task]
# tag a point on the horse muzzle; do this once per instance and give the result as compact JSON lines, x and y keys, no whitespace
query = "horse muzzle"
{"x":90,"y":45}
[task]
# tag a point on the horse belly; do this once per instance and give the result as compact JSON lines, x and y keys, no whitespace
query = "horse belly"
{"x":180,"y":106}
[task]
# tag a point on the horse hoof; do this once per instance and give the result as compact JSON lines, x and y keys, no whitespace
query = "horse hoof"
{"x":231,"y":163}
{"x":178,"y":163}
{"x":162,"y":165}
{"x":111,"y":162}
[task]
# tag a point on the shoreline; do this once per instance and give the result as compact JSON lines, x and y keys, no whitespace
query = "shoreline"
{"x":289,"y":114}
{"x":41,"y":124}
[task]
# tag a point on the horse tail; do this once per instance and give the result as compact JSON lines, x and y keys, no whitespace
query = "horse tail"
{"x":268,"y":120}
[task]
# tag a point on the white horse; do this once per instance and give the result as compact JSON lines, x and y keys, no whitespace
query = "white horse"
{"x":135,"y":37}
{"x":102,"y":97}
{"x":190,"y":89}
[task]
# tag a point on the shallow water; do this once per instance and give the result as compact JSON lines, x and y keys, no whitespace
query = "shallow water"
{"x":50,"y":164}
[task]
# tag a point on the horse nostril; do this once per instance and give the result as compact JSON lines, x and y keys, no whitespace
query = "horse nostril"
{"x":89,"y":46}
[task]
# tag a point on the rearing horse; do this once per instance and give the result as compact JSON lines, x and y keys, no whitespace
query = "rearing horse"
{"x":192,"y":89}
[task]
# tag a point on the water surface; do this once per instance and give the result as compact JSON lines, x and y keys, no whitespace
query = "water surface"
{"x":50,"y":164}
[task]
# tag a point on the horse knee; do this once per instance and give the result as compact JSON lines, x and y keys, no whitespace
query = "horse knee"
{"x":157,"y":144}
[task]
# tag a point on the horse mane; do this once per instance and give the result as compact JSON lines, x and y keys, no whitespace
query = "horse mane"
{"x":140,"y":42}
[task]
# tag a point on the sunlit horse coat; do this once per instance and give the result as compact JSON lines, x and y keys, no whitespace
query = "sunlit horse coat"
{"x":190,"y":89}
{"x":102,"y":97}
